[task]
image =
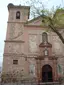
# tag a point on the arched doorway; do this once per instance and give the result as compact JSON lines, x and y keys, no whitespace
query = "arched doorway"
{"x":47,"y":73}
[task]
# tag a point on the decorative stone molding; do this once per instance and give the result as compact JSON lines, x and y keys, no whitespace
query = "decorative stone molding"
{"x":14,"y":54}
{"x":14,"y":41}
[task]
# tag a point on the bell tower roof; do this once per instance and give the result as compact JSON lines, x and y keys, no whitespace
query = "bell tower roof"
{"x":10,"y":5}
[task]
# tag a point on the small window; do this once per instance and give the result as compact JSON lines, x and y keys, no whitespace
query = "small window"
{"x":44,"y":37}
{"x":18,"y":15}
{"x":15,"y":61}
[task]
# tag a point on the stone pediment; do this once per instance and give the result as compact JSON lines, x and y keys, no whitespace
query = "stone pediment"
{"x":35,"y":22}
{"x":45,"y":45}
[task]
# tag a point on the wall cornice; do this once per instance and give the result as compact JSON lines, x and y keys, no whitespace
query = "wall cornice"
{"x":14,"y":41}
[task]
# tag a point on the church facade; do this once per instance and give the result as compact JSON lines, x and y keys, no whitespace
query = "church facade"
{"x":30,"y":49}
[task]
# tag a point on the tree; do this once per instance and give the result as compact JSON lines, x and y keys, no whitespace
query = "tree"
{"x":55,"y":22}
{"x":54,"y":19}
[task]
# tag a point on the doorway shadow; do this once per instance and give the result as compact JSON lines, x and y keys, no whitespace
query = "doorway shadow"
{"x":47,"y":73}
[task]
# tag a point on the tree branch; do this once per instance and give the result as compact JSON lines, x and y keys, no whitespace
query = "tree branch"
{"x":56,"y":31}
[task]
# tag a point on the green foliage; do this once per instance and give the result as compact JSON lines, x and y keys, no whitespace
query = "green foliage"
{"x":56,"y":17}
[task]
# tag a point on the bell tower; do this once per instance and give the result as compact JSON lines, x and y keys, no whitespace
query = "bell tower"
{"x":14,"y":43}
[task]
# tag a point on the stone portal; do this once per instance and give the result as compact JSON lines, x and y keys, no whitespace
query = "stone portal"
{"x":46,"y":62}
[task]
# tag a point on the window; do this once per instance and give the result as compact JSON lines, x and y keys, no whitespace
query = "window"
{"x":18,"y":15}
{"x":44,"y":37}
{"x":15,"y":61}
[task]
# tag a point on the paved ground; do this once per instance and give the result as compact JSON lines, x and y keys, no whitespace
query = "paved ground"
{"x":27,"y":84}
{"x":19,"y":83}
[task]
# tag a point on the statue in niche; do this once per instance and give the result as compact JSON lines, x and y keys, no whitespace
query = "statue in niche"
{"x":45,"y":52}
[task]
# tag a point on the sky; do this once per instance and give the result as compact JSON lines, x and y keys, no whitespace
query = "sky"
{"x":4,"y":17}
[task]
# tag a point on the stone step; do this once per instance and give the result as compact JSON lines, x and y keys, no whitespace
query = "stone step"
{"x":49,"y":83}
